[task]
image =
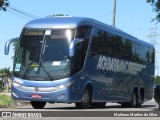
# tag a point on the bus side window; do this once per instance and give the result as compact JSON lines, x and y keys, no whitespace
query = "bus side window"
{"x":78,"y":60}
{"x":80,"y":54}
{"x":152,"y":55}
{"x":98,"y":42}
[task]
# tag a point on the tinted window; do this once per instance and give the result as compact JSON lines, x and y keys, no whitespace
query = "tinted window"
{"x":109,"y":44}
{"x":78,"y":60}
{"x":99,"y":42}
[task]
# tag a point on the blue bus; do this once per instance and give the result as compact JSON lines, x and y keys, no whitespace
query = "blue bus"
{"x":83,"y":61}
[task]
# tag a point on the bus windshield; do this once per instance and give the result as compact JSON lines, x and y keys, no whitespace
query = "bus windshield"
{"x":43,"y":54}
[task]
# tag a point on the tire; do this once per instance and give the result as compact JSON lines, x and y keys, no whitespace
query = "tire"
{"x":157,"y":94}
{"x":134,"y":101}
{"x":86,"y":100}
{"x":140,"y":100}
{"x":98,"y":105}
{"x":38,"y":105}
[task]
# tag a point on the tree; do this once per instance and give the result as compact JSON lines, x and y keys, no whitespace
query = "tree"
{"x":156,"y":8}
{"x":4,"y":75}
{"x":4,"y":4}
{"x":157,"y":80}
{"x":5,"y":72}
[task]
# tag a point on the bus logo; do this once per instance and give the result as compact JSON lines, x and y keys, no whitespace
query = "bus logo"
{"x":36,"y":89}
{"x":117,"y":65}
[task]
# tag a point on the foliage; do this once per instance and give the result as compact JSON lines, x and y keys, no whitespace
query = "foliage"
{"x":5,"y":100}
{"x":156,"y":8}
{"x":157,"y":80}
{"x":5,"y":72}
{"x":4,"y":4}
{"x":4,"y":75}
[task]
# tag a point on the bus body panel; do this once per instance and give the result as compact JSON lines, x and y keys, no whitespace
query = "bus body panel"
{"x":109,"y":86}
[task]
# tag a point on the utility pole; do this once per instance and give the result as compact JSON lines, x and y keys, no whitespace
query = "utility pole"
{"x":114,"y":14}
{"x":153,"y":37}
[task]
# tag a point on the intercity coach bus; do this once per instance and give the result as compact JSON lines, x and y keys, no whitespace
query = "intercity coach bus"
{"x":82,"y":61}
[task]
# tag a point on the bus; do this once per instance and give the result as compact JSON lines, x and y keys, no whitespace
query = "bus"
{"x":83,"y":61}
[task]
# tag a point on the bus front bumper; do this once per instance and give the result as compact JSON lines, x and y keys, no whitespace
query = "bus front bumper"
{"x":43,"y":91}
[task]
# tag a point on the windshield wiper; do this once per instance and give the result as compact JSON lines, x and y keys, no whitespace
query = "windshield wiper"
{"x":45,"y":70}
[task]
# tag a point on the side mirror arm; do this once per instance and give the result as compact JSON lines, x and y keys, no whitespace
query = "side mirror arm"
{"x":72,"y":46}
{"x":7,"y":45}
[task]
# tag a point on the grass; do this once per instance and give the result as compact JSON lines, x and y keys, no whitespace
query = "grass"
{"x":5,"y":100}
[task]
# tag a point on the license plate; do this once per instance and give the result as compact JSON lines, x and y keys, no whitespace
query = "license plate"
{"x":36,"y":96}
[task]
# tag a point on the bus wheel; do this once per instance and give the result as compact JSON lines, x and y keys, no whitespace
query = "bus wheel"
{"x":38,"y":105}
{"x":140,"y":100}
{"x":86,"y":100}
{"x":98,"y":105}
{"x":134,"y":100}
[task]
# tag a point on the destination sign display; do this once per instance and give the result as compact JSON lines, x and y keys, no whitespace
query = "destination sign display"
{"x":33,"y":32}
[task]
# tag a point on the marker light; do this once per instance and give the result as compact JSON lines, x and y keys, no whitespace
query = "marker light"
{"x":69,"y":35}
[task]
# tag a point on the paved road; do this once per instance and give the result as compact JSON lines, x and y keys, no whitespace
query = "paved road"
{"x":113,"y":108}
{"x":147,"y":106}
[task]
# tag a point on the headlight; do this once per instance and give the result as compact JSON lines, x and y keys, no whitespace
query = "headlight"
{"x":63,"y":86}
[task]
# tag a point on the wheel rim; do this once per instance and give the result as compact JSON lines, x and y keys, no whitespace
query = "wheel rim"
{"x":86,"y":97}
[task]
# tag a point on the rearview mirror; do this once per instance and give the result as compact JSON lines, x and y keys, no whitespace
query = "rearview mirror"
{"x":72,"y":46}
{"x":7,"y":45}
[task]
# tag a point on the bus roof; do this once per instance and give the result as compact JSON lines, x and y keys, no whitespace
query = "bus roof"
{"x":57,"y":22}
{"x":73,"y":22}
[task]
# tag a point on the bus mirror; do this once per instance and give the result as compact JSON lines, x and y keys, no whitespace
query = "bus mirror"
{"x":73,"y":45}
{"x":7,"y":45}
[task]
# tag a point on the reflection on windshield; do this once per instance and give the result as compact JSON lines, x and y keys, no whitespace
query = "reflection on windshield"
{"x":52,"y":49}
{"x":29,"y":51}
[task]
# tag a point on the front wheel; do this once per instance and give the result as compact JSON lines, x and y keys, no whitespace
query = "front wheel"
{"x":38,"y":105}
{"x":86,"y":100}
